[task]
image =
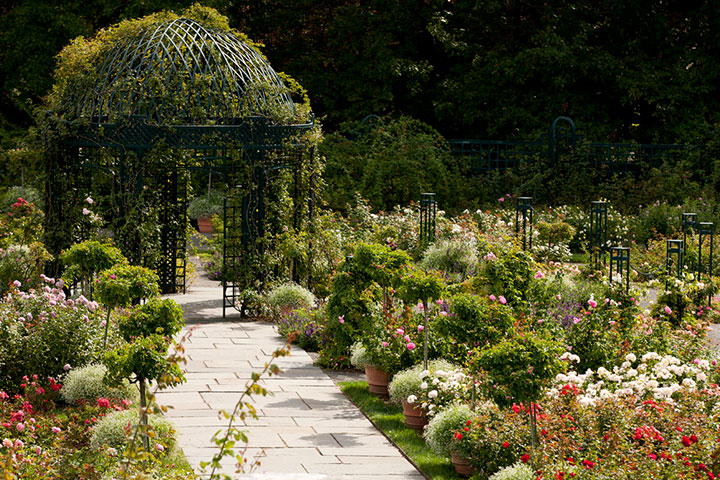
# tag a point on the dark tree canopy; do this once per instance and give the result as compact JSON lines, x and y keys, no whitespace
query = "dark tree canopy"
{"x":624,"y":70}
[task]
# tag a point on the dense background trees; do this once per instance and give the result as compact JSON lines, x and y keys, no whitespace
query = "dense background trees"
{"x":635,"y":70}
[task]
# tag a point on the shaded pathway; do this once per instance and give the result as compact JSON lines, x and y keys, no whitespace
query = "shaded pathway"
{"x":308,"y":429}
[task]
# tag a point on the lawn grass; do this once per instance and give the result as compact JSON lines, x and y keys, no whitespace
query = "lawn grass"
{"x":581,"y":257}
{"x":390,"y":419}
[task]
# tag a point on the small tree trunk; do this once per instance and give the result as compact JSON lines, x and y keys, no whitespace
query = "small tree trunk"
{"x":143,"y":415}
{"x":533,"y":426}
{"x":425,"y":331}
{"x":107,"y":324}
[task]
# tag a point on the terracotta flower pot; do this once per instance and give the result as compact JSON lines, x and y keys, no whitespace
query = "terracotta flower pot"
{"x":205,"y":225}
{"x":377,"y":381}
{"x":415,"y":417}
{"x":462,"y":467}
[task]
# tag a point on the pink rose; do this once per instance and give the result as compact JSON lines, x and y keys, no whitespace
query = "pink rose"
{"x":410,"y":346}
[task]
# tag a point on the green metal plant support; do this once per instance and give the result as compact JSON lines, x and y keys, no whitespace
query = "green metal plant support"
{"x":598,"y":231}
{"x":675,"y":249}
{"x":428,"y":213}
{"x":705,"y":230}
{"x":524,"y":221}
{"x":620,"y":259}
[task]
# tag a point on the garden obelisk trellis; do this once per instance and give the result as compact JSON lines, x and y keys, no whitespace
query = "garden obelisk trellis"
{"x":171,"y":96}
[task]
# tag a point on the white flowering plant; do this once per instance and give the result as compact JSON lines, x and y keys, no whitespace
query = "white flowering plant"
{"x":408,"y":384}
{"x":659,"y":377}
{"x":441,"y":388}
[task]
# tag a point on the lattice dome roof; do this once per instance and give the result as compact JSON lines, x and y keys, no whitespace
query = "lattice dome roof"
{"x":182,"y":72}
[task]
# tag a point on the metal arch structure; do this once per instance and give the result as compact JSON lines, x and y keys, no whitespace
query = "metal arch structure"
{"x":190,"y":88}
{"x":180,"y":53}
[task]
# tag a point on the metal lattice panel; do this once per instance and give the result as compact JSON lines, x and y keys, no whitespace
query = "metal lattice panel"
{"x":185,"y":71}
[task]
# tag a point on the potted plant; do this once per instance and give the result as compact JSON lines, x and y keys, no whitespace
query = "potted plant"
{"x":386,"y":347}
{"x":408,"y":385}
{"x":377,"y":379}
{"x":284,"y":298}
{"x":444,"y":435}
{"x":443,"y":387}
{"x":203,"y":208}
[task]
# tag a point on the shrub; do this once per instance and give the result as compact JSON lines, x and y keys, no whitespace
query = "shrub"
{"x":112,"y":430}
{"x":289,"y":295}
{"x":24,"y":263}
{"x":440,"y":431}
{"x":455,"y":258}
{"x":472,"y":321}
{"x":207,"y":205}
{"x":308,"y":326}
{"x":359,"y":357}
{"x":360,"y":283}
{"x":519,"y":369}
{"x":22,"y":225}
{"x":16,"y":192}
{"x":83,"y":260}
{"x":519,"y":471}
{"x":85,"y":384}
{"x":408,"y":382}
{"x":509,"y":273}
{"x":389,"y":164}
{"x":40,"y":334}
{"x":122,"y":285}
{"x":395,"y":342}
{"x":157,"y":316}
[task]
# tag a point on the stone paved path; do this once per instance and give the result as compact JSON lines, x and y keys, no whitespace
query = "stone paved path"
{"x":307,"y":430}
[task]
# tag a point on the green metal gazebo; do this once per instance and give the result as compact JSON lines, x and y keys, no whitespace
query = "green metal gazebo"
{"x":206,"y":100}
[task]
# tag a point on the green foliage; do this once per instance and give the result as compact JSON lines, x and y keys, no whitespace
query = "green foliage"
{"x":390,"y":164}
{"x":122,"y":285}
{"x":393,"y":343}
{"x":554,"y":232}
{"x":85,"y":384}
{"x":143,"y":359}
{"x":455,"y":258}
{"x":157,"y":316}
{"x":519,"y":369}
{"x":306,"y":326}
{"x":684,"y":297}
{"x":83,"y":260}
{"x":472,"y":321}
{"x":354,"y":294}
{"x":40,"y":334}
{"x":418,"y":286}
{"x":112,"y":430}
{"x":207,"y":205}
{"x":510,"y":275}
{"x":440,"y":431}
{"x":289,"y":295}
{"x":15,"y":193}
{"x":408,"y":382}
{"x":22,"y":224}
{"x":24,"y":263}
{"x":519,"y":471}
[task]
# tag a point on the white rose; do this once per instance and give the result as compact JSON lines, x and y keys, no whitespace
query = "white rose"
{"x":424,"y":385}
{"x":432,"y":394}
{"x":412,"y":399}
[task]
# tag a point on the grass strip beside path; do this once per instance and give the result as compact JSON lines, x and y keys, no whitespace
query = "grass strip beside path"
{"x":391,"y":421}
